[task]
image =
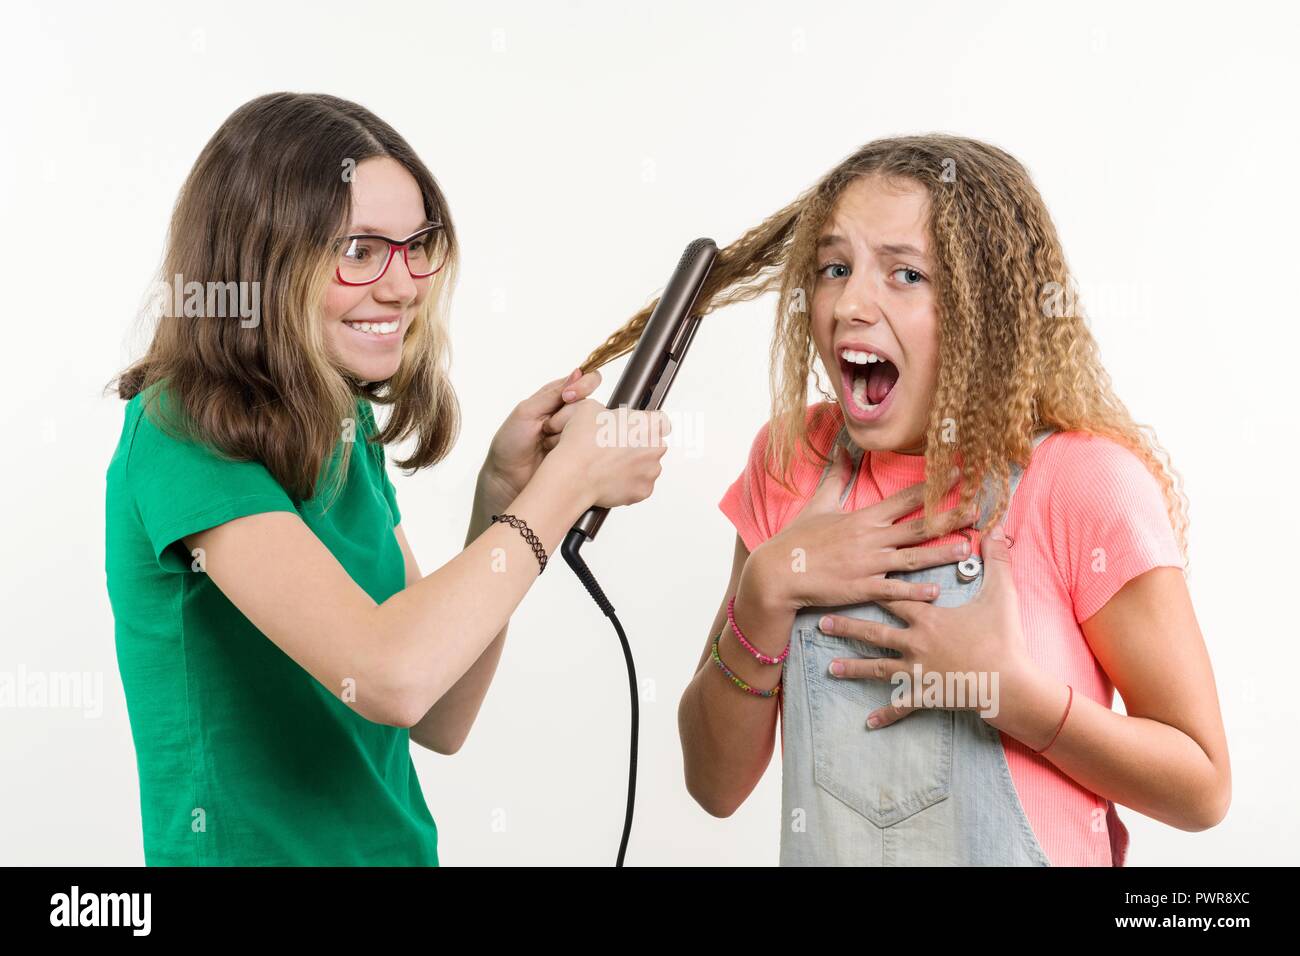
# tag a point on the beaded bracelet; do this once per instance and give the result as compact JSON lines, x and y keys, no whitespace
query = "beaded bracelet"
{"x":1068,"y":704}
{"x":717,"y":659}
{"x":766,"y":659}
{"x":522,"y":527}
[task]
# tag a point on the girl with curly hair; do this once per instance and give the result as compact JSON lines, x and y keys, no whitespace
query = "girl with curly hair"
{"x":971,"y":516}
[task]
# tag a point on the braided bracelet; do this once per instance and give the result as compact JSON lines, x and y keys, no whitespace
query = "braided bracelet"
{"x":522,"y":526}
{"x":766,"y":659}
{"x":717,"y":659}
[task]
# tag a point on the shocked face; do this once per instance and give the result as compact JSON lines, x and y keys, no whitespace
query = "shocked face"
{"x":873,"y":312}
{"x":365,"y":324}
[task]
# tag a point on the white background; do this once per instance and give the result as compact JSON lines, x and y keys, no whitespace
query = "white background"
{"x":581,"y":146}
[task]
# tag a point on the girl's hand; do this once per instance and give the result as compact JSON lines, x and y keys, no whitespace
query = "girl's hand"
{"x":830,"y":558}
{"x":982,"y":637}
{"x":614,"y":453}
{"x":520,"y":443}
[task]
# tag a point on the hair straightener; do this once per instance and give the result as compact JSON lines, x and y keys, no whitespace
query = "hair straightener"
{"x":643,"y":386}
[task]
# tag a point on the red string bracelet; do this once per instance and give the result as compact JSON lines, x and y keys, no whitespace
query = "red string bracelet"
{"x":1068,"y":704}
{"x":731,"y":617}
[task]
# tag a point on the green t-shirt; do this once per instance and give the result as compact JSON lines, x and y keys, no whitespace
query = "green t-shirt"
{"x":244,"y":758}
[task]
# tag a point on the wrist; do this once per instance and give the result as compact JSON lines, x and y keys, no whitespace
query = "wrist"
{"x":1030,"y":704}
{"x":757,"y":589}
{"x":765,"y":622}
{"x":491,"y":495}
{"x":492,"y":487}
{"x":547,"y":505}
{"x":557,"y":483}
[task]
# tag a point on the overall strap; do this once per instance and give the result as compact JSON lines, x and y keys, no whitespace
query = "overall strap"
{"x":855,"y":454}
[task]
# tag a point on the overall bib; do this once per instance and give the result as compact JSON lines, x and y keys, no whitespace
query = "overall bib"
{"x":932,"y":789}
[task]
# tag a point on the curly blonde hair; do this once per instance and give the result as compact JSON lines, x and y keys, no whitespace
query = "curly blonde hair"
{"x":1012,"y":360}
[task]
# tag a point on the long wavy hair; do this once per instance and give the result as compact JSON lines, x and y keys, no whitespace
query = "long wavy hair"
{"x":264,"y":202}
{"x":1015,"y":350}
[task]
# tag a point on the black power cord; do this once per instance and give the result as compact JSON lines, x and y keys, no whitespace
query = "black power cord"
{"x":572,"y":544}
{"x":643,"y":386}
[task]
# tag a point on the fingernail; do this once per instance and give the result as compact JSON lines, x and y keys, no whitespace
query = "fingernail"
{"x":997,"y":534}
{"x":932,"y":590}
{"x":837,"y":668}
{"x":873,"y":721}
{"x":825,"y":624}
{"x":575,"y":374}
{"x":569,"y":394}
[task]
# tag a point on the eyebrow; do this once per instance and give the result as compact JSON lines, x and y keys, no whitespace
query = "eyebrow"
{"x":372,"y":230}
{"x":885,"y":248}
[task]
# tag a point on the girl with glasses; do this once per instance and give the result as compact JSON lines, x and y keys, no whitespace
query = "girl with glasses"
{"x":278,"y":643}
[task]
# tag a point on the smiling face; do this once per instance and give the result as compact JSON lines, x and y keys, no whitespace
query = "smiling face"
{"x":365,"y":325}
{"x":873,"y":312}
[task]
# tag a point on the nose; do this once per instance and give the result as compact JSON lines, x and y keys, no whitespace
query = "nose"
{"x":396,"y":284}
{"x":859,"y":298}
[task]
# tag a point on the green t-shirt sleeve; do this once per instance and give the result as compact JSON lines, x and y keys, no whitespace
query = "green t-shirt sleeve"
{"x":181,"y":487}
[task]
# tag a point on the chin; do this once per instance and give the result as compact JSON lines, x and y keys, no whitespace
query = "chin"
{"x":371,"y":361}
{"x":868,"y":438}
{"x":883,"y":436}
{"x":369,"y":369}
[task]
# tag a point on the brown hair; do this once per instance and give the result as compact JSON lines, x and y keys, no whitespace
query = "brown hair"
{"x":1011,"y":359}
{"x":263,"y":203}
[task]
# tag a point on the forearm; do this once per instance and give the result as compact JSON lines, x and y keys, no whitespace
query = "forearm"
{"x":447,"y":723}
{"x":436,"y":629}
{"x":1144,"y":764}
{"x":728,"y":734}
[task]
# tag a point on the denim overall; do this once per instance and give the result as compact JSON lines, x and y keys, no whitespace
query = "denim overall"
{"x":932,"y":789}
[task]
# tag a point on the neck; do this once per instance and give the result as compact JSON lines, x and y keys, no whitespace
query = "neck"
{"x":914,"y":447}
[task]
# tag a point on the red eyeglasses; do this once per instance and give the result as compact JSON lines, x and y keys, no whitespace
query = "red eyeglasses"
{"x":364,"y":258}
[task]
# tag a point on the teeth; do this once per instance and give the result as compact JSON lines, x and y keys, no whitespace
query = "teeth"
{"x":375,"y":328}
{"x":860,"y":393}
{"x":861,"y":358}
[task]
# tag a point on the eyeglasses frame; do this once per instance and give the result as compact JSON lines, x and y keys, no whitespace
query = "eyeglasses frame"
{"x":393,"y":246}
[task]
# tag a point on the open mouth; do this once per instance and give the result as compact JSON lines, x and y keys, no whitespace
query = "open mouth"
{"x":868,"y":380}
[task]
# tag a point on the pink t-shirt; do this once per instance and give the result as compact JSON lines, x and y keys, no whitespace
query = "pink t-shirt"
{"x":1086,"y":518}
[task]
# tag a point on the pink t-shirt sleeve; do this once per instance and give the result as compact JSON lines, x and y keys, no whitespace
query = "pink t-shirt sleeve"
{"x":745,"y":502}
{"x":1108,"y":518}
